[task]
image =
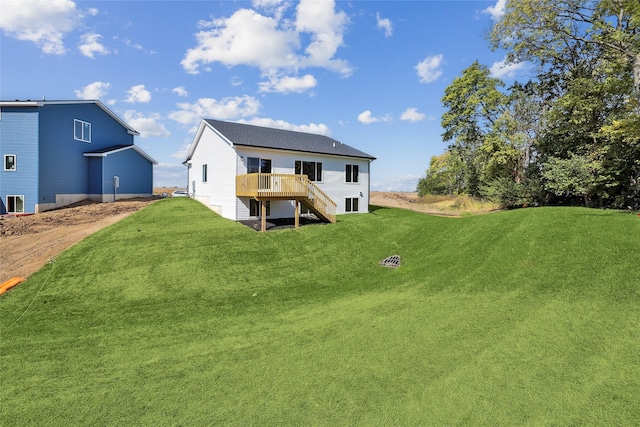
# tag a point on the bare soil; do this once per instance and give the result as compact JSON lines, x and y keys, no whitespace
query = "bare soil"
{"x":27,"y":243}
{"x":408,"y":200}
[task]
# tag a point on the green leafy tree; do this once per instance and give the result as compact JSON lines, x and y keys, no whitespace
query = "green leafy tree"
{"x":444,"y":175}
{"x":562,"y":33}
{"x":571,"y":177}
{"x":473,"y":104}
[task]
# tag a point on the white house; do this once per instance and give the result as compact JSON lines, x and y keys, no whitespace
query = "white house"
{"x":249,"y":172}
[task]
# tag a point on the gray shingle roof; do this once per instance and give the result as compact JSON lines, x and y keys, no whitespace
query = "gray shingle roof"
{"x":279,"y":139}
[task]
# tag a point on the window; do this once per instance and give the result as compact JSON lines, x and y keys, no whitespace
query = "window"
{"x":255,"y":208}
{"x":313,"y":170}
{"x":352,"y":173}
{"x":15,"y":204}
{"x":258,"y":165}
{"x":204,"y":173}
{"x":10,"y":162}
{"x":81,"y":131}
{"x":351,"y":204}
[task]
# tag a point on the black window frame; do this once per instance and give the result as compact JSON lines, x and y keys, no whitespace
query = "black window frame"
{"x":204,"y":172}
{"x":312,"y":169}
{"x":351,"y":204}
{"x":14,"y":163}
{"x":352,"y":173}
{"x":255,"y":207}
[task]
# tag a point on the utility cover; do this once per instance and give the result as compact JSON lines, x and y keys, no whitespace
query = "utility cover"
{"x":392,"y":262}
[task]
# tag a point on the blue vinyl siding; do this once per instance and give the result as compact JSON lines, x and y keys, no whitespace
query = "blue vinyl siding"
{"x":135,"y":172}
{"x":65,"y":170}
{"x":19,"y":136}
{"x":95,"y":175}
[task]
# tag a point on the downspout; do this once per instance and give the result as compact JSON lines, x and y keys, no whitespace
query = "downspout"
{"x":369,"y":186}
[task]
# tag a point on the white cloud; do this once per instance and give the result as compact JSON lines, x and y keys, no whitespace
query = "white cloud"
{"x":319,"y":128}
{"x":367,"y":118}
{"x":271,"y":43}
{"x":398,"y":183}
{"x":210,"y":108}
{"x":497,"y":11}
{"x":170,"y":175}
{"x":288,"y":84}
{"x":412,"y":115}
{"x":180,"y":91}
{"x":95,"y":90}
{"x":502,"y":69}
{"x":90,"y":45}
{"x":385,"y":24}
{"x":147,"y":125}
{"x":429,"y":70}
{"x":327,"y":28}
{"x":138,"y":94}
{"x":182,"y":151}
{"x":244,"y":38}
{"x":44,"y":23}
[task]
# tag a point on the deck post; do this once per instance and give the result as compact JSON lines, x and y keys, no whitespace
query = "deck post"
{"x":297,"y":214}
{"x":263,"y":216}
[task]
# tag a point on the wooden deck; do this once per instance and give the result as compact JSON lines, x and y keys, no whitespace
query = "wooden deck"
{"x":273,"y":186}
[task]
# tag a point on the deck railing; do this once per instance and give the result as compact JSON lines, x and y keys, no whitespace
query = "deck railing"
{"x":287,"y":187}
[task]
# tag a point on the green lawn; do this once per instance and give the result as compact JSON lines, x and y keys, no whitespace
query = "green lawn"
{"x":175,"y":316}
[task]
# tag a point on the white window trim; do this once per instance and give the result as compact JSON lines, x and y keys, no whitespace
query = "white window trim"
{"x":7,"y":203}
{"x":15,"y":162}
{"x":83,"y":138}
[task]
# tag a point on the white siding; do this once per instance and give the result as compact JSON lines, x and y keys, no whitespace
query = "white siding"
{"x":219,"y":192}
{"x":224,"y":162}
{"x":333,"y":178}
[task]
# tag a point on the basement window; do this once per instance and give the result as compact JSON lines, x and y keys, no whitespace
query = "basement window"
{"x":15,"y":204}
{"x":255,"y":207}
{"x":10,"y":162}
{"x":351,"y":204}
{"x":81,"y":130}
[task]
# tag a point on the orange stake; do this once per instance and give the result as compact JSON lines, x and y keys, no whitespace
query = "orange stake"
{"x":11,"y":283}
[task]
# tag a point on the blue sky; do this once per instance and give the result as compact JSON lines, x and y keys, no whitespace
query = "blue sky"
{"x":370,"y":74}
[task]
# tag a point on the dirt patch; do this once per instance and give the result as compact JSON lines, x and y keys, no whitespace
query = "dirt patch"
{"x":29,"y":242}
{"x":409,"y":201}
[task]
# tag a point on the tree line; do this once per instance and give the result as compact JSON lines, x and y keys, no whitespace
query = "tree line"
{"x":571,"y":134}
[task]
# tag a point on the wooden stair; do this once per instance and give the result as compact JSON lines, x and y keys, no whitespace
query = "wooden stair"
{"x":270,"y":186}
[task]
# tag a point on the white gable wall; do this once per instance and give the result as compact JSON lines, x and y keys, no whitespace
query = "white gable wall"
{"x":219,"y":192}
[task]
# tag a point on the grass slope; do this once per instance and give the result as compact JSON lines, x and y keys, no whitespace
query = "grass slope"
{"x":175,"y":316}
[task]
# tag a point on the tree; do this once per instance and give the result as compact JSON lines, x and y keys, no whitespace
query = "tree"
{"x":444,"y":175}
{"x":572,"y":177}
{"x":588,"y":57}
{"x":473,"y":105}
{"x":560,"y":33}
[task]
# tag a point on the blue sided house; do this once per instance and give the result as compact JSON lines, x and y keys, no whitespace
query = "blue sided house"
{"x":55,"y":153}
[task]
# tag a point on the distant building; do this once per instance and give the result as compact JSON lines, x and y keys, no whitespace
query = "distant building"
{"x":55,"y":153}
